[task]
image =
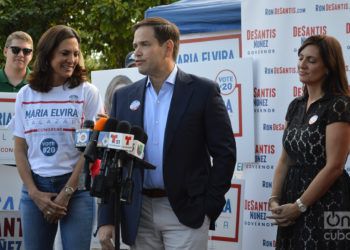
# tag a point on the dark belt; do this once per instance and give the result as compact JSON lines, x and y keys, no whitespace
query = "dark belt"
{"x":154,"y":193}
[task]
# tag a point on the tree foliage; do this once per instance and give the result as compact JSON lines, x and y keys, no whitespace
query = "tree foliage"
{"x":105,"y":26}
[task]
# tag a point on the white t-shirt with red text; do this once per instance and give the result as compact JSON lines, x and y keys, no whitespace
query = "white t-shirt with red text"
{"x":47,"y":121}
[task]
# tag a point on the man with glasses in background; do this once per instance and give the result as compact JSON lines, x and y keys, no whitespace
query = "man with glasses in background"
{"x":18,"y":51}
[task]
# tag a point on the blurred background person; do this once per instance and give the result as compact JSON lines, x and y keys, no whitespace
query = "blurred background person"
{"x":18,"y":51}
{"x":130,"y":60}
{"x":116,"y":83}
{"x":310,"y":179}
{"x":49,"y":109}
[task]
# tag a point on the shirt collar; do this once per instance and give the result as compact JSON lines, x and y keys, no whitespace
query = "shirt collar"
{"x":171,"y":78}
{"x":3,"y":76}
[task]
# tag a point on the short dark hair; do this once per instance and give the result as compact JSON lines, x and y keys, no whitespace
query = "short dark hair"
{"x":163,"y":31}
{"x":40,"y":78}
{"x":332,"y":56}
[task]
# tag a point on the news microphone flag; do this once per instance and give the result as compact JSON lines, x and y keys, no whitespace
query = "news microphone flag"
{"x":90,"y":152}
{"x":138,"y":144}
{"x":82,"y":136}
{"x":120,"y":141}
{"x":111,"y":125}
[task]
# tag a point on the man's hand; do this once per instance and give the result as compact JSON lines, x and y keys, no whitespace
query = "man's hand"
{"x":106,"y":237}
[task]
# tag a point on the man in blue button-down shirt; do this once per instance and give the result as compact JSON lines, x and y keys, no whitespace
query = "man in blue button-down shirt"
{"x":187,"y":123}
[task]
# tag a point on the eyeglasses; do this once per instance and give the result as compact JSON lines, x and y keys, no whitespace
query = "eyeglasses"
{"x":15,"y":50}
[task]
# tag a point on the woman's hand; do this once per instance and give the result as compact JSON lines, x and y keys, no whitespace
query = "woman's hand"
{"x":273,"y":203}
{"x":62,"y":200}
{"x":284,"y":215}
{"x":50,"y":209}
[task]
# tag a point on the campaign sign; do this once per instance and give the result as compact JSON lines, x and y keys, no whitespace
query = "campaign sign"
{"x":228,"y":227}
{"x":10,"y":230}
{"x":7,"y":111}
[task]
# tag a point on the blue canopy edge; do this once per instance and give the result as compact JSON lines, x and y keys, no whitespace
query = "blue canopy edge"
{"x":201,"y":16}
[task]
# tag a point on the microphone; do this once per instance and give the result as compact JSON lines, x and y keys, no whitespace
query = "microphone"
{"x":109,"y":176}
{"x":82,"y":136}
{"x":90,"y":150}
{"x":120,"y":141}
{"x":103,"y":137}
{"x":98,"y":185}
{"x":140,"y":139}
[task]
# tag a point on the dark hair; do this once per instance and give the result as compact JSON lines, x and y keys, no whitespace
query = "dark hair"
{"x":163,"y":31}
{"x":40,"y":78}
{"x":332,"y":56}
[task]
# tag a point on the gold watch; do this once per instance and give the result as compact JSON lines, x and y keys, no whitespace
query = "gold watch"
{"x":69,"y":191}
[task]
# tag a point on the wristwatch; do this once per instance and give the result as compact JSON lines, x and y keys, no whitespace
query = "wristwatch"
{"x":69,"y":191}
{"x":301,"y":206}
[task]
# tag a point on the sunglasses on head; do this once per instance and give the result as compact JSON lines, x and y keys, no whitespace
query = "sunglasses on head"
{"x":15,"y":50}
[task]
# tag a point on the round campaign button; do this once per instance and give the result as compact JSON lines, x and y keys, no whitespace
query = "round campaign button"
{"x":313,"y":119}
{"x":48,"y":147}
{"x":135,"y":105}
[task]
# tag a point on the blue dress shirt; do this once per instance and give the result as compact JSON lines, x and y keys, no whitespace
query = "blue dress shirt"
{"x":155,"y":119}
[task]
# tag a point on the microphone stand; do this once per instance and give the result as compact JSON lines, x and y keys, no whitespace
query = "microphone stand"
{"x":117,"y":164}
{"x":117,"y":201}
{"x":117,"y":216}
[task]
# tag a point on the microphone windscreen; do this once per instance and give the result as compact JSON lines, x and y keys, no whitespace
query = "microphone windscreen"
{"x":123,"y":127}
{"x":95,"y":168}
{"x":139,"y":134}
{"x":100,"y":123}
{"x":88,"y":124}
{"x":111,"y":125}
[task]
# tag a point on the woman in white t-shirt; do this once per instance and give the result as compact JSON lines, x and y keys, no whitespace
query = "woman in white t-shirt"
{"x":49,"y":109}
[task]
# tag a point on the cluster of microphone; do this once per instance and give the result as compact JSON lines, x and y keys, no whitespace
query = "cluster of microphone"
{"x":117,"y":145}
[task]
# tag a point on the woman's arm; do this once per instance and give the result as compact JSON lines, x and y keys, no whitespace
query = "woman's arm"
{"x":277,"y":183}
{"x":337,"y":149}
{"x":279,"y":176}
{"x":63,"y":197}
{"x":20,"y":150}
{"x":72,"y":183}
